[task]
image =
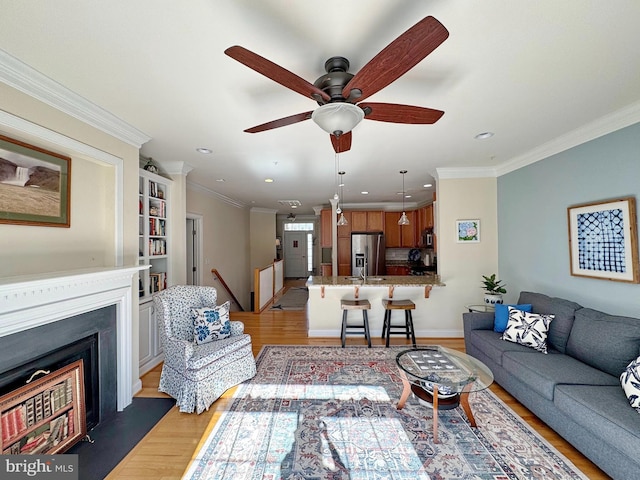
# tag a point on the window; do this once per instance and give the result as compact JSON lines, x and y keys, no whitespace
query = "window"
{"x":298,"y":227}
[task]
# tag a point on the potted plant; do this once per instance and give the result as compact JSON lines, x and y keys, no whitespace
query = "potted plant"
{"x":494,"y":289}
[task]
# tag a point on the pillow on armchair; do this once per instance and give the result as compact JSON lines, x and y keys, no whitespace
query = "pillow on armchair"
{"x":211,"y":323}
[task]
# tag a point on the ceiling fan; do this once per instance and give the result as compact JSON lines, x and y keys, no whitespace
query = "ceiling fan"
{"x":340,"y":94}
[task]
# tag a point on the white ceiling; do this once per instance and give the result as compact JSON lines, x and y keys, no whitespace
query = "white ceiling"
{"x":540,"y":74}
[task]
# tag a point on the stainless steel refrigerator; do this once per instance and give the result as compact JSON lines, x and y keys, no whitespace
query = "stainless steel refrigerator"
{"x":368,"y":247}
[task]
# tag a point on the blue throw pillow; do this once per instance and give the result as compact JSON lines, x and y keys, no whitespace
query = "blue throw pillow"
{"x":502,"y":315}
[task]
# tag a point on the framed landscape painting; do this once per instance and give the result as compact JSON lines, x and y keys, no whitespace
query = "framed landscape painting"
{"x":603,"y":240}
{"x":35,"y":185}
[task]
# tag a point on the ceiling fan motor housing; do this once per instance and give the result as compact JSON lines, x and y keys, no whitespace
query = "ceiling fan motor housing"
{"x":334,"y":81}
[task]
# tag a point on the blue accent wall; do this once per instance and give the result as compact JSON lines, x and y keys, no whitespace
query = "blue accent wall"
{"x":533,"y":249}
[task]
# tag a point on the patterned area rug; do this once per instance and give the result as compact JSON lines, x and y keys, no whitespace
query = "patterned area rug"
{"x":295,"y":298}
{"x":330,"y":413}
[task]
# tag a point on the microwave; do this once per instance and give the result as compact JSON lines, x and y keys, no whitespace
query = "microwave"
{"x":427,"y":238}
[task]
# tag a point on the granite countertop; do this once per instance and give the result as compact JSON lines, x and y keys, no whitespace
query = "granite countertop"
{"x":384,"y":281}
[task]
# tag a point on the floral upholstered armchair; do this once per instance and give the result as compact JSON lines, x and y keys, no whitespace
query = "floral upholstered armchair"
{"x":205,"y":352}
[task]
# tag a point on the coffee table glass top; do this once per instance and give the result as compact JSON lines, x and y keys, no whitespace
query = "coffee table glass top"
{"x":450,"y":369}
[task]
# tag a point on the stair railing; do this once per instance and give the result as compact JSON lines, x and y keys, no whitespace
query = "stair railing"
{"x":217,"y":275}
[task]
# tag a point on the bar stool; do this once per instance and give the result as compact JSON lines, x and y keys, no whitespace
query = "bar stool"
{"x":407,"y":328}
{"x":363,"y":305}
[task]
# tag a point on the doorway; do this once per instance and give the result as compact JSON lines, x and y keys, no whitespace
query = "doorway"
{"x":194,"y":249}
{"x":295,"y":254}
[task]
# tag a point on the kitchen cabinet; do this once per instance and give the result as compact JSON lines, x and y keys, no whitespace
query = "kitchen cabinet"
{"x":375,"y":221}
{"x":367,"y":221}
{"x":326,"y":270}
{"x":398,"y":270}
{"x":344,"y":256}
{"x":400,"y":236}
{"x":358,"y":221}
{"x":325,"y":228}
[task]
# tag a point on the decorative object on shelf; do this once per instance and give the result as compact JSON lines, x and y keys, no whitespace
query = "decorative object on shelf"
{"x":603,"y":241}
{"x":494,"y":289}
{"x":150,"y":166}
{"x":403,"y":218}
{"x":41,"y":185}
{"x":468,"y":231}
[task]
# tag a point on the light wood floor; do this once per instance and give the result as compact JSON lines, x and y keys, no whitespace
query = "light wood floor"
{"x":168,"y":448}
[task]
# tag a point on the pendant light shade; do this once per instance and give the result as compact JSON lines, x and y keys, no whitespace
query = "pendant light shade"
{"x":342,"y":220}
{"x":403,"y":218}
{"x":337,"y":118}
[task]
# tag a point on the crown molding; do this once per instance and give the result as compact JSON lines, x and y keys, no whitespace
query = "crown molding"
{"x":175,"y":168}
{"x":26,"y":79}
{"x":207,"y":191}
{"x":609,"y":123}
{"x":462,"y":172}
{"x":263,"y":210}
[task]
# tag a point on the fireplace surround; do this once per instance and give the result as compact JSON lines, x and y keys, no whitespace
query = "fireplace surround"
{"x":33,"y":307}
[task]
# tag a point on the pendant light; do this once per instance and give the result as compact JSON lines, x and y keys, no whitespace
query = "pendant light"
{"x":342,"y":220}
{"x":403,"y":218}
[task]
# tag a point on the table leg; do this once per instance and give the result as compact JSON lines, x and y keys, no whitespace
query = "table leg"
{"x":406,"y":391}
{"x":435,"y":413}
{"x":464,"y":401}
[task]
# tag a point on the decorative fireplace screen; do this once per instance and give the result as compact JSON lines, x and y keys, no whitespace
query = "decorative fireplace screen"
{"x":45,"y":416}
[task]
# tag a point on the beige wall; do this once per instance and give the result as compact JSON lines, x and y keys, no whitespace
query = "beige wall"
{"x":462,"y":265}
{"x":262,"y":241}
{"x":90,"y":241}
{"x":225,"y":233}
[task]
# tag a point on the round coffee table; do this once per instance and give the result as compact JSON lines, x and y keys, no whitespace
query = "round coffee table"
{"x":442,"y":378}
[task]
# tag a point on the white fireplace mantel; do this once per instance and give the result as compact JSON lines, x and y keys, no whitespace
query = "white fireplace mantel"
{"x":33,"y":300}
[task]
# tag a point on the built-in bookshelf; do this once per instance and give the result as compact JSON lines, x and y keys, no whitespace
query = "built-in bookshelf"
{"x":153,"y":232}
{"x":154,"y":244}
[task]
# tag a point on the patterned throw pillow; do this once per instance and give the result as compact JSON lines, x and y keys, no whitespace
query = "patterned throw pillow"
{"x":211,"y":323}
{"x":529,"y":329}
{"x":630,"y":380}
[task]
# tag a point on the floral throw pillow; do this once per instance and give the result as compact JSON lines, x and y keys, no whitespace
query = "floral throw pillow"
{"x":630,"y":380}
{"x":529,"y":329}
{"x":211,"y":323}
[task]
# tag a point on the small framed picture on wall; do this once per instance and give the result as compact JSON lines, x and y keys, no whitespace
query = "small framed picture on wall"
{"x":468,"y":231}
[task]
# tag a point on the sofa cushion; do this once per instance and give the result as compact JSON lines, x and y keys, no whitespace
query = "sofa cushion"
{"x":543,"y":372}
{"x":630,"y":380}
{"x":604,"y":411}
{"x":607,"y":342}
{"x":564,"y":314}
{"x":502,"y":315}
{"x":528,"y":329}
{"x":211,"y":323}
{"x":491,"y":344}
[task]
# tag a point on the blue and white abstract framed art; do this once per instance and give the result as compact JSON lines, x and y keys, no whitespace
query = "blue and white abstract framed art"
{"x":603,"y":240}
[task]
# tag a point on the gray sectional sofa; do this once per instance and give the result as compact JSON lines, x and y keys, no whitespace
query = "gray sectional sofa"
{"x":575,"y":388}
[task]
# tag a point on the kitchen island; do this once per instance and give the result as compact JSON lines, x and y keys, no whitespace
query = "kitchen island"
{"x":325,"y":294}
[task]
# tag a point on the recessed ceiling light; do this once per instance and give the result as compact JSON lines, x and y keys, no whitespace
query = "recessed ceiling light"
{"x":427,"y":185}
{"x":294,"y":206}
{"x":268,"y":180}
{"x":220,"y":180}
{"x":364,"y":193}
{"x":204,"y":151}
{"x":483,"y":135}
{"x":407,"y":196}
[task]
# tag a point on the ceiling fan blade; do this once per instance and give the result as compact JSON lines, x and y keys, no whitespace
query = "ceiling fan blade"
{"x":281,"y":122}
{"x":397,"y":58}
{"x":394,"y":113}
{"x":341,"y":143}
{"x":275,"y":72}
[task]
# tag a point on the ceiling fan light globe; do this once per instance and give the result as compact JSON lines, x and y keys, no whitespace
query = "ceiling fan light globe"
{"x":337,"y":118}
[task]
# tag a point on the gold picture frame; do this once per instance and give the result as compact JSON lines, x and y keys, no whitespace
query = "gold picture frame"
{"x":603,"y":240}
{"x":45,"y":416}
{"x":35,"y":185}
